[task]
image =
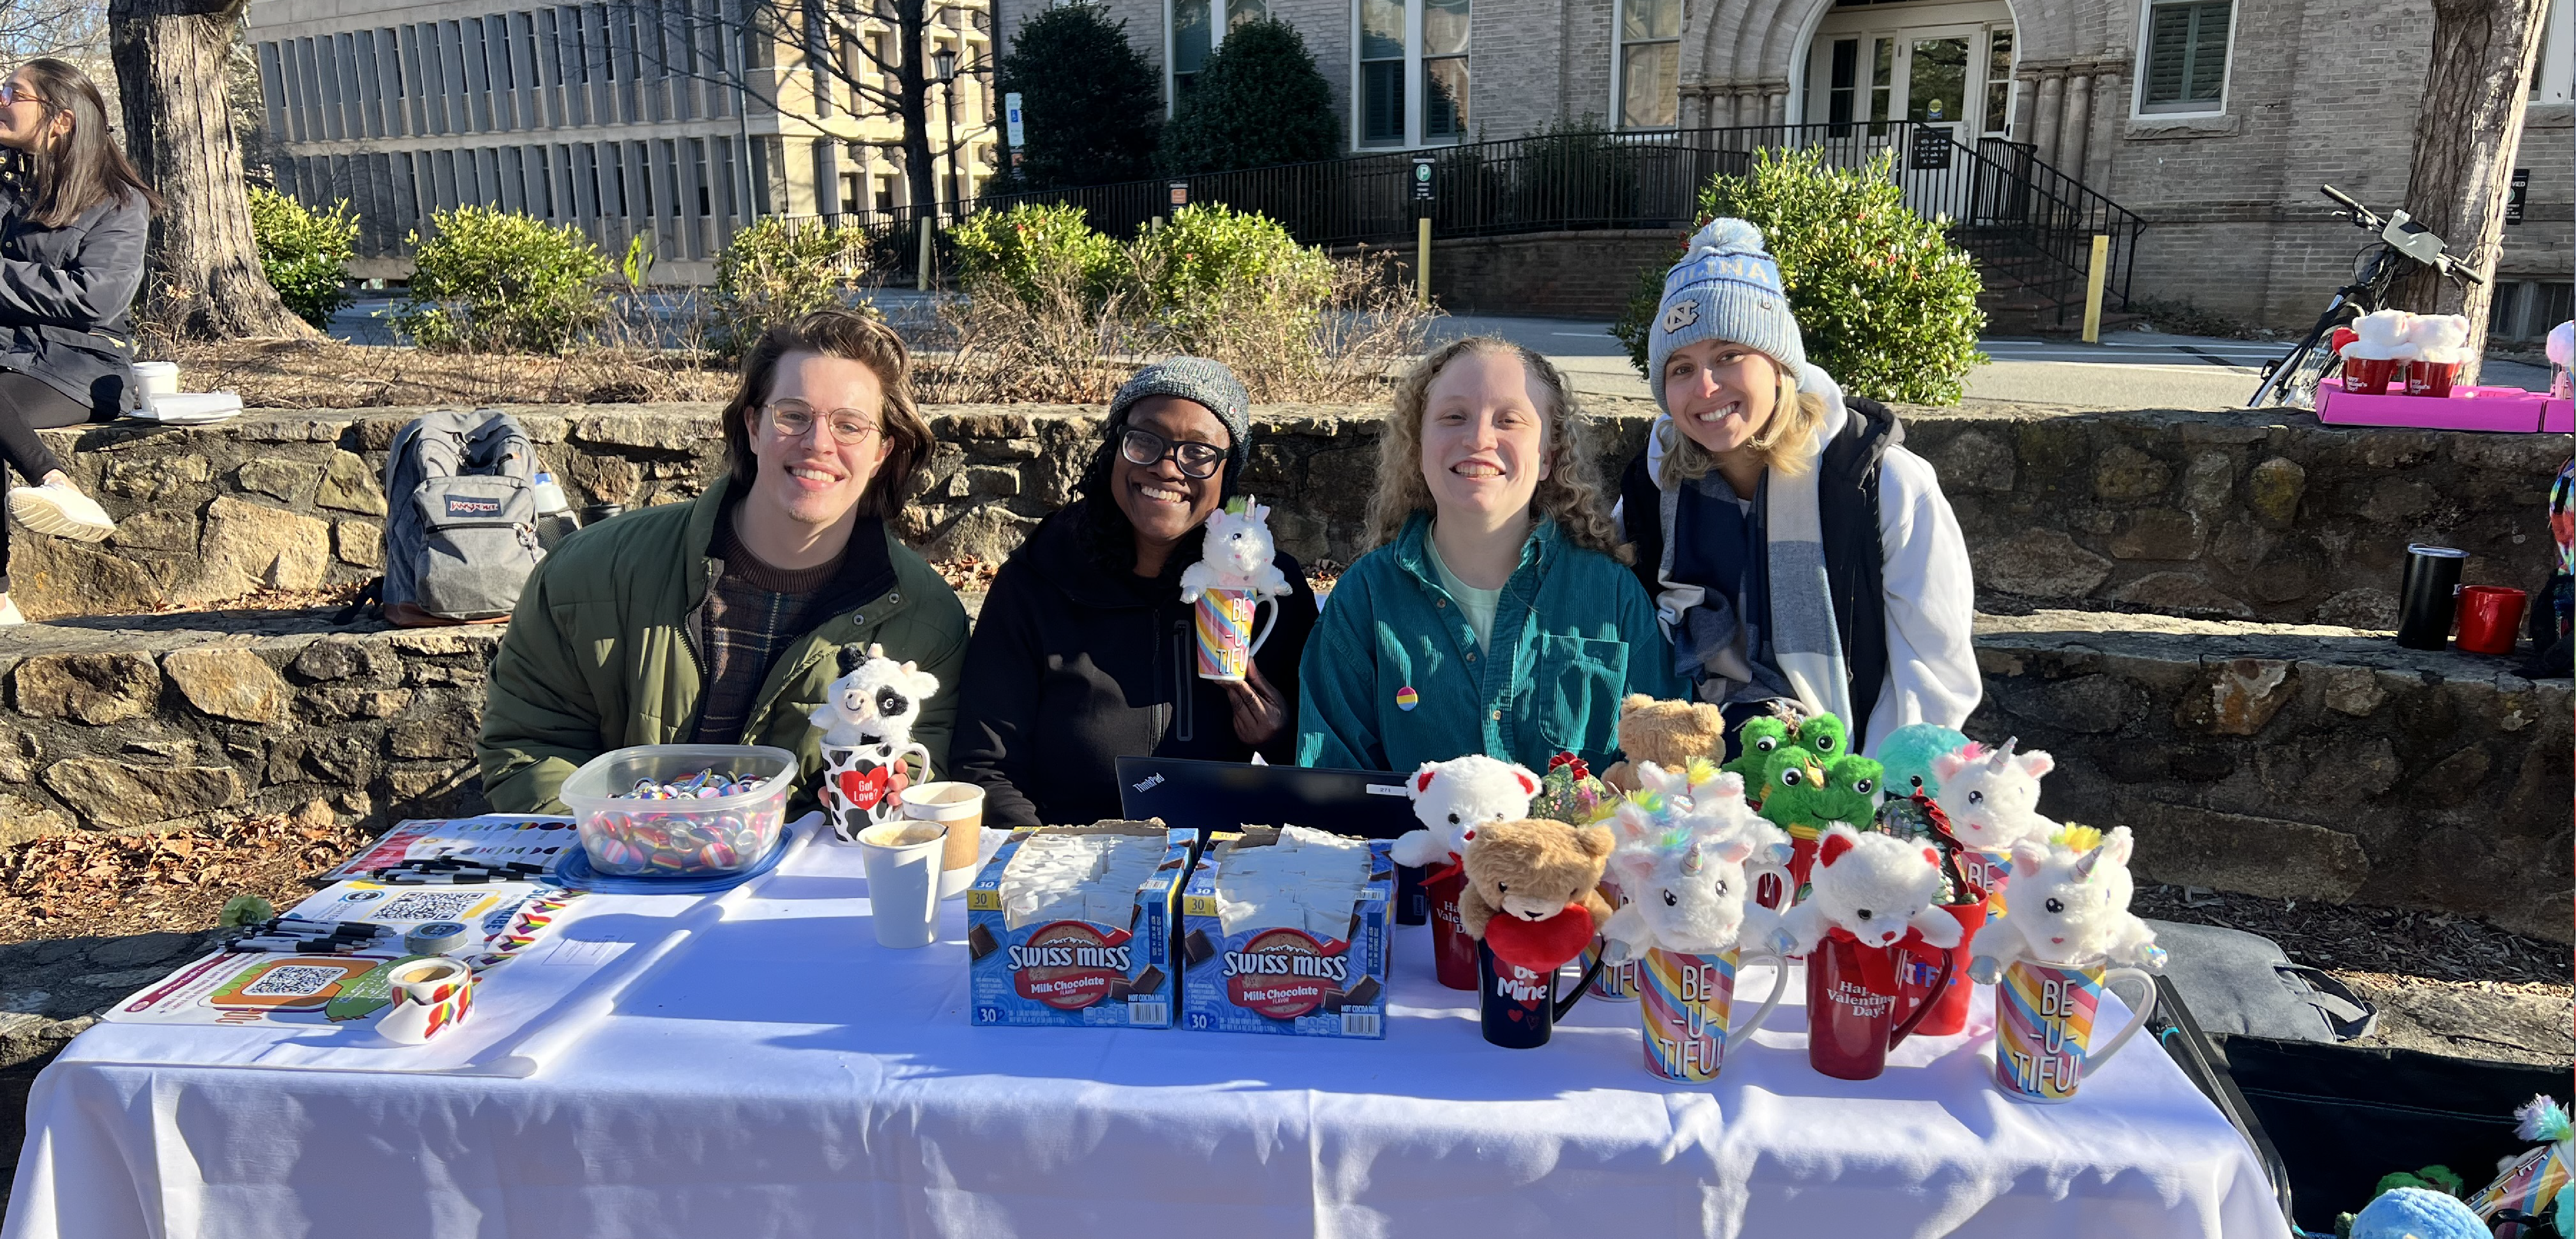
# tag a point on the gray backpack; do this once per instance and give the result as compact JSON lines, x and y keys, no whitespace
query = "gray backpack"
{"x":461,"y":535}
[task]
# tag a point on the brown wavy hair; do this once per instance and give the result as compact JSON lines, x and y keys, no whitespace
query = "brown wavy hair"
{"x":1571,"y":493}
{"x":85,"y":167}
{"x":853,"y":336}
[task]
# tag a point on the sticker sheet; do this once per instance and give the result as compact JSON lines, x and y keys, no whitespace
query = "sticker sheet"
{"x":492,"y":839}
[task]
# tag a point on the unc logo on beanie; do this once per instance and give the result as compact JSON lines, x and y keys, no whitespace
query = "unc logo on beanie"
{"x":1682,"y":314}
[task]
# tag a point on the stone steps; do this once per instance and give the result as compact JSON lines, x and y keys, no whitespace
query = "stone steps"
{"x":2292,"y":761}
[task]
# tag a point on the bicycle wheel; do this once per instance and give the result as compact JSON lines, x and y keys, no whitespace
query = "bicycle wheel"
{"x":2293,"y":380}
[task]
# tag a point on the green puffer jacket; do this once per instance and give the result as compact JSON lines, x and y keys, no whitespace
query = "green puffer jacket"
{"x":601,"y":653}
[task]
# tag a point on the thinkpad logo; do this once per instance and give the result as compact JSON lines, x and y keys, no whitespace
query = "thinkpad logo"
{"x":1151,"y":782}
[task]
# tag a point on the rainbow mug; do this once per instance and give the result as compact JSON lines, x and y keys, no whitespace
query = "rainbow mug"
{"x":1226,"y":640}
{"x":1614,"y":982}
{"x":1687,"y":1004}
{"x":2044,"y":1026}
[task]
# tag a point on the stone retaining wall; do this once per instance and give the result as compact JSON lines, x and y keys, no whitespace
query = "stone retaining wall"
{"x":2300,"y":763}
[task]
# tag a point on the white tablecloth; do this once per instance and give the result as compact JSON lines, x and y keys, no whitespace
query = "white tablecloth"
{"x":780,"y":1074}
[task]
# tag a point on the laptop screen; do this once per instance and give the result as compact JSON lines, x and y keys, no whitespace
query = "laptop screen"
{"x":1222,"y":795}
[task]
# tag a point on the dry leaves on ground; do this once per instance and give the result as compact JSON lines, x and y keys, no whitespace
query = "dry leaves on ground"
{"x":327,"y":374}
{"x":2433,"y":945}
{"x":81,"y":885}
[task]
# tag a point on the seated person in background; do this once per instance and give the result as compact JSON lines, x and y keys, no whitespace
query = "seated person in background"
{"x":719,"y":621}
{"x":1495,"y":615}
{"x":1084,"y":651}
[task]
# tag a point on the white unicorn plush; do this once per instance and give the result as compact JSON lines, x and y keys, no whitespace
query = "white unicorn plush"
{"x":1238,"y":554}
{"x":876,"y":700}
{"x":1992,"y":795}
{"x":2070,"y":906}
{"x":1874,"y":887}
{"x":1687,"y":840}
{"x":1452,"y":798}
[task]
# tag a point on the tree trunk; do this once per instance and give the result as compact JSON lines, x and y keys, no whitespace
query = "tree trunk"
{"x":2465,"y":140}
{"x":204,"y":279}
{"x":912,"y":27}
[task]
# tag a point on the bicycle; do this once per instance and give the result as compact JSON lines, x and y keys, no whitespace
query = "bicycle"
{"x":2403,"y":244}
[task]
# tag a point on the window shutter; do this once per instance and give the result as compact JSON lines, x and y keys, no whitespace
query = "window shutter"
{"x":2208,"y":52}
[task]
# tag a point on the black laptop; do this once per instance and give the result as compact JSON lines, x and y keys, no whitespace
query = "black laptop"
{"x":1222,"y":795}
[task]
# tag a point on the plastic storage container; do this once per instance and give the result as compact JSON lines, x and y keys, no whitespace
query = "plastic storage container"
{"x":159,"y":378}
{"x":627,"y":837}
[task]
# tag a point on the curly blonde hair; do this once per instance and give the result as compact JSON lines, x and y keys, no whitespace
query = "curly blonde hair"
{"x":1571,"y":493}
{"x":1782,"y":444}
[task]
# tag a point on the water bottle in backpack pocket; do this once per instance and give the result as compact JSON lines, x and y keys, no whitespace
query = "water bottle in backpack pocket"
{"x":461,"y":536}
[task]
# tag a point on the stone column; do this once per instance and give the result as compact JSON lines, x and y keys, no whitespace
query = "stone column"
{"x":2025,"y":101}
{"x":827,"y":179}
{"x":2047,"y":113}
{"x":2078,"y":123}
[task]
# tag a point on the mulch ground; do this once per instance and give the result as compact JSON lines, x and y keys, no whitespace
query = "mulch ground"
{"x":91,"y":885}
{"x":2432,"y":945}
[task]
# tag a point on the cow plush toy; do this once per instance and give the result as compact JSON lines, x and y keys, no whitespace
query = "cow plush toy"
{"x":866,"y":719}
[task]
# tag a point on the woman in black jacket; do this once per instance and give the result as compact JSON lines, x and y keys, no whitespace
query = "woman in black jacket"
{"x":1084,"y":651}
{"x":73,"y":218}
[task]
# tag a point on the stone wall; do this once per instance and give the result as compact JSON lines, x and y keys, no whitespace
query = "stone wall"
{"x":2219,"y":515}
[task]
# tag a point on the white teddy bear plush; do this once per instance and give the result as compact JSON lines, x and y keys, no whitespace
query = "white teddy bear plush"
{"x":2438,"y":337}
{"x":1874,"y":887}
{"x":1238,"y":555}
{"x":1992,"y":795}
{"x":2381,"y":336}
{"x":2070,"y":906}
{"x":876,"y":700}
{"x":1452,"y":798}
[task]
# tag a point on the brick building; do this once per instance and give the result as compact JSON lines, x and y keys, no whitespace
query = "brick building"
{"x":620,"y":118}
{"x":2215,"y":120}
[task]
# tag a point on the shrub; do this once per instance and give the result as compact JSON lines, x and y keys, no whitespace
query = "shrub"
{"x":1884,"y":302}
{"x":1031,"y":253}
{"x":1091,"y":107}
{"x":774,"y":272}
{"x":304,"y":252}
{"x":1259,"y":101}
{"x":1211,"y":259}
{"x":496,"y":281}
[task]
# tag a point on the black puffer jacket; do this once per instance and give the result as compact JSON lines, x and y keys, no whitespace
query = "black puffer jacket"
{"x":1074,"y":664}
{"x":64,"y":296}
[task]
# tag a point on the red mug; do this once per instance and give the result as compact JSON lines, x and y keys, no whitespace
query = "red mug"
{"x":1853,"y":997}
{"x":2368,"y":376}
{"x":2431,"y":378}
{"x":1918,"y":964}
{"x":2490,"y":616}
{"x":1453,"y":953}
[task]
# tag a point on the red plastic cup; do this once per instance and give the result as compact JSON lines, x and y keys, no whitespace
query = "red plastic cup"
{"x":1453,"y":953}
{"x":2490,"y":615}
{"x":1920,"y":965}
{"x":2431,"y":378}
{"x":2368,"y":376}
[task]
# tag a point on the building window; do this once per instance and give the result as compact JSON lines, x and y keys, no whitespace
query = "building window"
{"x":1650,"y":64}
{"x":1196,"y":36}
{"x":2186,"y":57}
{"x":1999,"y":82}
{"x":2553,"y":80}
{"x":1404,"y":41}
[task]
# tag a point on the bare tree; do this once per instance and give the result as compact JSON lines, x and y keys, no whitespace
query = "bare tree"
{"x":172,"y":59}
{"x":72,"y":29}
{"x":2466,"y":136}
{"x":874,"y":61}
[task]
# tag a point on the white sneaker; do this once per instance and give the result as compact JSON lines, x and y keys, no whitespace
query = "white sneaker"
{"x":9,"y":614}
{"x":58,"y":508}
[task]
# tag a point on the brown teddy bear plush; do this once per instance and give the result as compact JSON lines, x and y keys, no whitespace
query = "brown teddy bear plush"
{"x":1667,"y":733}
{"x":1532,"y":890}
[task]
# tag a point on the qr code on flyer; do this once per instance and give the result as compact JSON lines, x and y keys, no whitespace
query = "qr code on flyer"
{"x":294,"y":981}
{"x":429,"y":906}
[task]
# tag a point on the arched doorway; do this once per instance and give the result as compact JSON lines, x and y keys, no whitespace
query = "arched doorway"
{"x":1940,"y":62}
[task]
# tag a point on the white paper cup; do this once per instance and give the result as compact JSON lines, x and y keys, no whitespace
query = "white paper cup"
{"x":902,"y":858}
{"x":159,"y":378}
{"x":959,"y":810}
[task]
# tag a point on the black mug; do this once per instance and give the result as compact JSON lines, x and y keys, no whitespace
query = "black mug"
{"x":597,"y":512}
{"x":1518,"y":1007}
{"x":2428,"y":597}
{"x":1412,"y":899}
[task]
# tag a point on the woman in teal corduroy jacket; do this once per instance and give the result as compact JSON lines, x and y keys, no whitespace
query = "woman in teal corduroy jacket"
{"x":1495,"y":615}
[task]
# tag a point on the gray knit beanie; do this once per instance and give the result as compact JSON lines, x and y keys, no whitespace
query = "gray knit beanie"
{"x":1197,"y":379}
{"x":1726,"y":288}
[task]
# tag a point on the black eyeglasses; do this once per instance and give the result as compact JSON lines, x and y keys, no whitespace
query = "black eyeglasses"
{"x":1143,"y":447}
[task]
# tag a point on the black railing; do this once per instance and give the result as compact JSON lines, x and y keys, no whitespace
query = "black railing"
{"x":2027,"y":223}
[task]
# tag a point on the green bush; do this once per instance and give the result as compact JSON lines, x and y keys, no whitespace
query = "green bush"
{"x":1211,"y":254}
{"x":1885,"y":303}
{"x":304,"y":252}
{"x":773,"y":272}
{"x":1032,"y":253}
{"x":496,"y":281}
{"x":1091,"y":106}
{"x":1259,"y":101}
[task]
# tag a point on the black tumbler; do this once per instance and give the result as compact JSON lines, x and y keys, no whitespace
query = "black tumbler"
{"x":2428,"y":598}
{"x":1412,"y":899}
{"x":597,"y":512}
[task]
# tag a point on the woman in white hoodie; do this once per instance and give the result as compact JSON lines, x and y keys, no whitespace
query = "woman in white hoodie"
{"x":1795,"y":550}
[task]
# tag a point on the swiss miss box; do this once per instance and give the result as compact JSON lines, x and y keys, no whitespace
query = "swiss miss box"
{"x":1325,"y":976}
{"x":1097,"y":954}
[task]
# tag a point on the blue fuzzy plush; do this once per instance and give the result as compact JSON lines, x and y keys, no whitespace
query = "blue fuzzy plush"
{"x":1907,"y":752}
{"x":2418,"y":1213}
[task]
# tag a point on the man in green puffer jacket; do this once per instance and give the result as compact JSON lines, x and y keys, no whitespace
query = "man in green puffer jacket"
{"x":719,"y":621}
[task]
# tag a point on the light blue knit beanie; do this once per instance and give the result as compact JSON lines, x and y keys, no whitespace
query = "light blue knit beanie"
{"x":1726,"y":288}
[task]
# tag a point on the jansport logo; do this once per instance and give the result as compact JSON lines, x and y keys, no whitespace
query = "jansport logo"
{"x":1283,"y":973}
{"x":1069,"y":965}
{"x":467,"y":505}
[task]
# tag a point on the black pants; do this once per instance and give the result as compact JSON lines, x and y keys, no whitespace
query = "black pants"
{"x":28,"y":405}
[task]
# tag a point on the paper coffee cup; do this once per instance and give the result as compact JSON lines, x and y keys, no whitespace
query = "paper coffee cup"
{"x":902,"y":859}
{"x":959,"y":810}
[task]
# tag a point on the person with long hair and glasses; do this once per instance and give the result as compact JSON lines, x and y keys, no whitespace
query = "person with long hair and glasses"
{"x":1496,"y":615}
{"x":73,"y":219}
{"x":1085,"y":653}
